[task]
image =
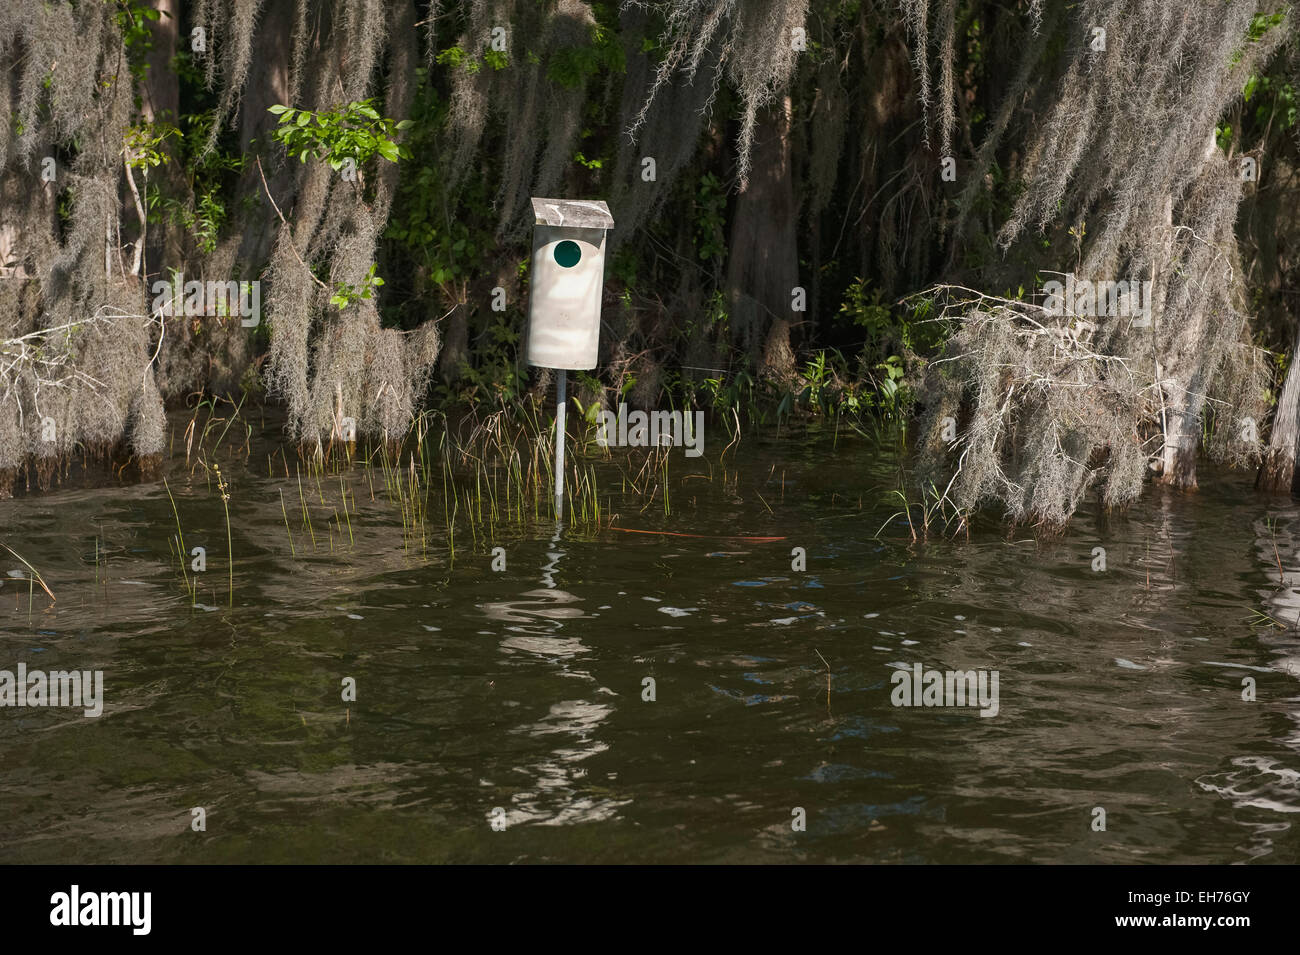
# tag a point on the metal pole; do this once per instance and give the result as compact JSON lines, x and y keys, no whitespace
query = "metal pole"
{"x":559,"y":444}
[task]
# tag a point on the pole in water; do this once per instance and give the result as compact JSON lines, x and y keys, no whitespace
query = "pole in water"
{"x":559,"y":444}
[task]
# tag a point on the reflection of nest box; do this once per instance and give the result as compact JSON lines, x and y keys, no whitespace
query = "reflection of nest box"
{"x":568,"y":275}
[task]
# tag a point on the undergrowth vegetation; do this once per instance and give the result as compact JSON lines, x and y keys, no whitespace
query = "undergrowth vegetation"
{"x":825,"y":211}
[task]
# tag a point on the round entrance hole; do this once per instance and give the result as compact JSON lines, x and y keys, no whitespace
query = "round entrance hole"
{"x":567,"y":254}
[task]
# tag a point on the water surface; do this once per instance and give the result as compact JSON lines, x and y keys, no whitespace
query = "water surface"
{"x":522,"y":690}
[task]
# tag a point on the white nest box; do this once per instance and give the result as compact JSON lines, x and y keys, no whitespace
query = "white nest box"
{"x":568,"y":276}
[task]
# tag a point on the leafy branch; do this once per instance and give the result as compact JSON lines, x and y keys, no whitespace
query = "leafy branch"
{"x":353,"y":131}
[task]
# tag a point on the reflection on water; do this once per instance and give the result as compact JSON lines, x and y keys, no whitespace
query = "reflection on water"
{"x":1263,"y":782}
{"x":525,"y":690}
{"x":556,"y":793}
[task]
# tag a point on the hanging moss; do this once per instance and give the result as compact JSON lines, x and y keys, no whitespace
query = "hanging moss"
{"x":75,"y":337}
{"x":753,"y":40}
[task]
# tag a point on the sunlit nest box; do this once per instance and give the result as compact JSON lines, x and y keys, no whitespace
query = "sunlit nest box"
{"x":568,"y":275}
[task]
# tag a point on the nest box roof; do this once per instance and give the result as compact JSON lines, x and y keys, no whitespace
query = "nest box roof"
{"x":574,"y":213}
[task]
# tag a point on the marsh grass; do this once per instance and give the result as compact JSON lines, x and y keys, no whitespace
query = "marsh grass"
{"x":293,"y":551}
{"x":33,"y":577}
{"x":343,"y":497}
{"x":1271,"y":524}
{"x":1257,"y":618}
{"x":306,"y":515}
{"x":481,"y":478}
{"x":935,"y":507}
{"x":201,"y":445}
{"x":181,"y":553}
{"x":230,"y":549}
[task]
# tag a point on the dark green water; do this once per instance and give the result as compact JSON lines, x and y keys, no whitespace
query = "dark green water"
{"x":522,"y":690}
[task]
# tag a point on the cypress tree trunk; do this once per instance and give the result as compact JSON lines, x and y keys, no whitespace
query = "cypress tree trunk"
{"x":1182,"y":439}
{"x":1277,"y":472}
{"x":161,"y":93}
{"x":267,"y":85}
{"x":1178,"y":461}
{"x":763,"y":265}
{"x":1181,"y":378}
{"x":160,"y":102}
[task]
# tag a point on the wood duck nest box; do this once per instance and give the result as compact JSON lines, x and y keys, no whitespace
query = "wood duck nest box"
{"x":568,"y":276}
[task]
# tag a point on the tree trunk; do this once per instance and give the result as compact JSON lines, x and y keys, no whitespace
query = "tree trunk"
{"x":455,"y":345}
{"x":161,"y":93}
{"x":160,"y":102}
{"x":763,"y":267}
{"x":1183,"y":396}
{"x":1182,"y":440}
{"x":1277,"y":472}
{"x":267,"y":86}
{"x":1172,"y":396}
